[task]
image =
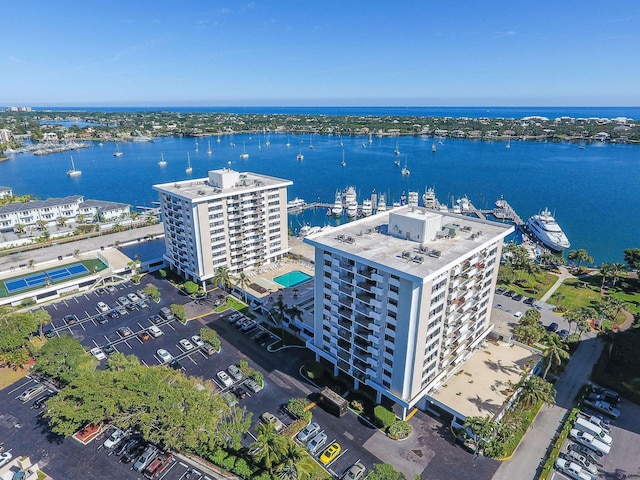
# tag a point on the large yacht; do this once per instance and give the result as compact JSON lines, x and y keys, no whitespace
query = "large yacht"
{"x":545,"y":228}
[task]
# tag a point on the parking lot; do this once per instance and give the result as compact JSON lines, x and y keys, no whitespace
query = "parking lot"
{"x":67,"y":458}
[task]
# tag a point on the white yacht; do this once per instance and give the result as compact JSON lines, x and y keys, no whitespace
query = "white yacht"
{"x":367,"y":207}
{"x":295,"y":204}
{"x":382,"y":205}
{"x":413,"y":199}
{"x":337,"y":206}
{"x":352,"y":209}
{"x":546,"y":229}
{"x":429,"y":198}
{"x":349,"y":196}
{"x":244,"y":155}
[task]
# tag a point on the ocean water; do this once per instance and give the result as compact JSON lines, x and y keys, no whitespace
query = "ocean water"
{"x":593,"y":191}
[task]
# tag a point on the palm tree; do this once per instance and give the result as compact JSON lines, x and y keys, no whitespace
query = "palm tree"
{"x":535,"y":389}
{"x":617,"y":269}
{"x":481,"y":427}
{"x":270,"y":446}
{"x":295,"y":462}
{"x":280,"y":309}
{"x":243,"y":283}
{"x":556,"y":352}
{"x":557,"y":298}
{"x":611,"y":307}
{"x":578,"y":256}
{"x":606,"y":270}
{"x":222,"y":278}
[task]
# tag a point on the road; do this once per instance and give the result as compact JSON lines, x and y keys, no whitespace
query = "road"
{"x":532,"y":451}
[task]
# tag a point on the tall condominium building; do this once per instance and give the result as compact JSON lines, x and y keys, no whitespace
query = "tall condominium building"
{"x":402,"y":298}
{"x":231,"y":219}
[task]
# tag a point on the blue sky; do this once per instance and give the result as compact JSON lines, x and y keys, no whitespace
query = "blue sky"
{"x":289,"y":52}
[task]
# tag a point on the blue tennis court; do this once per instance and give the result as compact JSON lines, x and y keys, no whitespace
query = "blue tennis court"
{"x":43,"y":278}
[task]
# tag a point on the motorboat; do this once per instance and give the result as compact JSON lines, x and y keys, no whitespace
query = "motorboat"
{"x":300,"y":155}
{"x":337,"y":206}
{"x":244,"y":155}
{"x":162,"y":162}
{"x":546,"y":229}
{"x":367,"y":207}
{"x":382,"y":206}
{"x":352,"y":209}
{"x":413,"y":199}
{"x":429,"y":198}
{"x":117,"y":153}
{"x":349,"y":196}
{"x":295,"y":204}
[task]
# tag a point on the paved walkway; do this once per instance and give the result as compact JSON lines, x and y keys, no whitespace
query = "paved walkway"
{"x":532,"y":451}
{"x":564,"y":274}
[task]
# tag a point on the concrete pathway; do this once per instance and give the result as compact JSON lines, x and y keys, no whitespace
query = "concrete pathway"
{"x":564,"y":274}
{"x":532,"y":451}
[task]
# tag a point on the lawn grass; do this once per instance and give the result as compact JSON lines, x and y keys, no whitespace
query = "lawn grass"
{"x":527,"y":419}
{"x":234,"y":303}
{"x":576,"y":293}
{"x":532,"y":286}
{"x":9,"y":376}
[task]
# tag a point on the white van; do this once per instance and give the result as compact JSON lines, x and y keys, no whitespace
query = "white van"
{"x":595,"y":430}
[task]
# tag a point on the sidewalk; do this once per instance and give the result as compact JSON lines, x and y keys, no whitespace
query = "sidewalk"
{"x":564,"y":274}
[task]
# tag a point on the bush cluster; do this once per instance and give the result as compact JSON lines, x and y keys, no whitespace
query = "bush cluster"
{"x":383,"y":416}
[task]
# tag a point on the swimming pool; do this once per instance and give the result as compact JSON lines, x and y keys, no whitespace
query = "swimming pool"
{"x":292,"y":279}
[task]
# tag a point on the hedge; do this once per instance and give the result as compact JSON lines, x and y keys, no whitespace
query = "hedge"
{"x":383,"y":416}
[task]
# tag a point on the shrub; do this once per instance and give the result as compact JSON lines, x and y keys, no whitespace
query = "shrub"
{"x":218,"y":457}
{"x":399,"y":429}
{"x":297,"y":406}
{"x":190,"y":287}
{"x":179,"y":312}
{"x":357,"y":406}
{"x":295,"y":426}
{"x":313,"y":370}
{"x":229,"y":462}
{"x":163,"y":273}
{"x":27,"y":302}
{"x":242,"y":468}
{"x":257,"y":376}
{"x":209,"y":335}
{"x":383,"y":416}
{"x":152,"y":291}
{"x":136,"y":279}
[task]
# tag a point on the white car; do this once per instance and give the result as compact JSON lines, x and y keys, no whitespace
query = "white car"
{"x":98,"y":353}
{"x":113,"y":439}
{"x":154,"y":331}
{"x":517,"y":314}
{"x":573,"y":470}
{"x":589,"y":440}
{"x":5,"y":458}
{"x":197,"y":341}
{"x":103,"y":307}
{"x":186,"y":344}
{"x":133,"y":298}
{"x":224,"y":378}
{"x":165,"y":356}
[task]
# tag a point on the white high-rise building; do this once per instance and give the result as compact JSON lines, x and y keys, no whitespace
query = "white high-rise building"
{"x":402,"y":298}
{"x":229,"y":219}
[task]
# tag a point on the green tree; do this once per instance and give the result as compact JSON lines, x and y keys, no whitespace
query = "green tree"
{"x":211,"y":336}
{"x":579,"y":256}
{"x":535,"y":389}
{"x":557,"y":297}
{"x":528,"y":334}
{"x":631,"y":258}
{"x":617,"y":269}
{"x":152,"y":291}
{"x":296,"y":463}
{"x":506,"y":274}
{"x":16,"y":327}
{"x":555,"y":352}
{"x":279,"y":314}
{"x":16,"y":358}
{"x":243,"y":282}
{"x":190,"y":287}
{"x":178,"y":312}
{"x":385,"y":471}
{"x":606,"y":271}
{"x":269,"y":446}
{"x":530,"y":317}
{"x":64,"y":359}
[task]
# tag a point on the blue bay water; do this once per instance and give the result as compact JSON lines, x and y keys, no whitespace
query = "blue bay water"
{"x":593,"y":191}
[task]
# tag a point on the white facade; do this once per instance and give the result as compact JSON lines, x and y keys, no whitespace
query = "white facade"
{"x":229,"y":219}
{"x":403,"y":297}
{"x":5,"y":135}
{"x":29,"y":213}
{"x":6,"y":192}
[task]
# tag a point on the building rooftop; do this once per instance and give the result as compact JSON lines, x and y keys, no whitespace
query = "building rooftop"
{"x":440,"y":239}
{"x":483,"y":384}
{"x":221,"y":183}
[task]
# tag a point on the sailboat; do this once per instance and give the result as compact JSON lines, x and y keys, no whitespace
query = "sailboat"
{"x":310,"y":144}
{"x":405,"y":171}
{"x":344,"y":164}
{"x":244,"y":155}
{"x":162,"y":162}
{"x":288,"y":144}
{"x":209,"y":151}
{"x":196,"y":144}
{"x":433,"y":147}
{"x":117,"y":153}
{"x":189,"y":169}
{"x":397,"y":150}
{"x":371,"y":138}
{"x":218,"y":139}
{"x":509,"y":143}
{"x":300,"y":155}
{"x":73,"y":172}
{"x":341,"y":142}
{"x":259,"y":145}
{"x":268,"y":142}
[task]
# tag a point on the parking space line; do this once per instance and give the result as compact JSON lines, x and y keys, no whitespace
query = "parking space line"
{"x":411,"y":414}
{"x":336,"y":459}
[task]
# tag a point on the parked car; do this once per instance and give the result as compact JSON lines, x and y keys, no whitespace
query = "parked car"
{"x":32,"y":392}
{"x":593,"y":429}
{"x":252,"y":385}
{"x":572,"y":470}
{"x":102,"y":307}
{"x":224,"y":378}
{"x":509,"y":293}
{"x":599,"y":421}
{"x":592,"y":455}
{"x":111,"y":288}
{"x":553,"y":327}
{"x":114,"y":439}
{"x":155,"y":331}
{"x":186,"y":344}
{"x":355,"y":472}
{"x":603,"y":407}
{"x":49,"y":333}
{"x":563,"y":334}
{"x":121,"y":310}
{"x":330,"y":454}
{"x":610,"y":396}
{"x":98,"y":353}
{"x":124,"y":332}
{"x":260,"y":336}
{"x":123,"y":301}
{"x":42,"y":401}
{"x":144,"y":336}
{"x":5,"y":458}
{"x":308,"y":432}
{"x":529,"y":301}
{"x":518,"y":314}
{"x":113,"y":314}
{"x":175,"y":364}
{"x":208,"y":348}
{"x":517,"y":297}
{"x":197,"y":341}
{"x":589,"y":440}
{"x":109,"y":349}
{"x":145,"y":459}
{"x":239,"y":392}
{"x":141,"y":294}
{"x":133,"y":452}
{"x":155,"y":319}
{"x":164,"y":356}
{"x":133,"y":298}
{"x":101,"y":319}
{"x":142,"y":304}
{"x":235,"y":372}
{"x":127,"y":445}
{"x":158,"y":465}
{"x":501,"y":290}
{"x":317,"y":442}
{"x":584,"y":462}
{"x":249,"y":326}
{"x":268,"y":417}
{"x":70,"y":319}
